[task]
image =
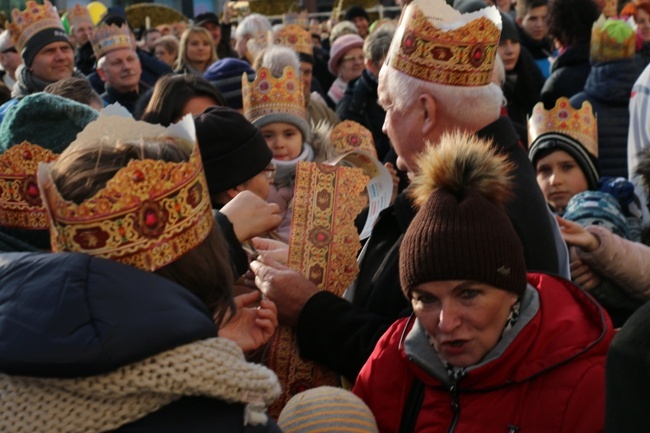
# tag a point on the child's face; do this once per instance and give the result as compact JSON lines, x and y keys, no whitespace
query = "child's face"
{"x":284,"y":140}
{"x":560,"y":178}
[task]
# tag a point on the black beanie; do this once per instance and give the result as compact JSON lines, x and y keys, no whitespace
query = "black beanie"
{"x":462,"y":231}
{"x":232,"y":149}
{"x":356,"y":11}
{"x":40,"y":40}
{"x":508,"y":29}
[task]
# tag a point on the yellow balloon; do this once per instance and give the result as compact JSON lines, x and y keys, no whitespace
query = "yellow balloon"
{"x":96,"y":10}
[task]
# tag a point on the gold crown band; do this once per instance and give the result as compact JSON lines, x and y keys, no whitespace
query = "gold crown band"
{"x":20,"y":199}
{"x":296,"y":38}
{"x":109,"y":38}
{"x":579,"y":124}
{"x":32,"y":20}
{"x":267,"y":95}
{"x":148,"y":215}
{"x":461,"y":57}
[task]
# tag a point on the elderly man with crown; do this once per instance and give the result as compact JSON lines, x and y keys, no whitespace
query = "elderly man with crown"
{"x":118,"y":65}
{"x":37,"y":33}
{"x":436,"y":79}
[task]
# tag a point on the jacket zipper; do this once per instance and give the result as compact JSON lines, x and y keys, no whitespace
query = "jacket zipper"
{"x":455,"y":405}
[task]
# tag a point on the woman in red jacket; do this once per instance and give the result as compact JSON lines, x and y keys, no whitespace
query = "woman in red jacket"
{"x":489,"y":348}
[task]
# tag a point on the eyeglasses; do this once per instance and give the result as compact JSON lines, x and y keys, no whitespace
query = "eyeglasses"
{"x":269,"y":171}
{"x":353,"y":58}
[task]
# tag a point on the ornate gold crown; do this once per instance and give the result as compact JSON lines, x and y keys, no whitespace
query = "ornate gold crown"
{"x":20,"y":199}
{"x":148,"y":215}
{"x":32,"y":20}
{"x":579,"y":124}
{"x":349,"y":136}
{"x":109,"y":38}
{"x":612,"y":40}
{"x":267,"y":95}
{"x":438,"y":44}
{"x":79,"y":14}
{"x":610,"y":9}
{"x":295,"y":37}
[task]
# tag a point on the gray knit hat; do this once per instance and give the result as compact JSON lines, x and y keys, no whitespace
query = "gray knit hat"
{"x":326,"y":409}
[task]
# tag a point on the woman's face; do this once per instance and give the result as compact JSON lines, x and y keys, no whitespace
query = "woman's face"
{"x":509,"y":52}
{"x":642,"y":19}
{"x":351,"y":64}
{"x":284,"y":140}
{"x":164,"y":56}
{"x":560,"y":177}
{"x":465,"y":319}
{"x":198,"y":49}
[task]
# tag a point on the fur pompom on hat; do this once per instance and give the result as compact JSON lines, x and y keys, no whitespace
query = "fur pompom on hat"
{"x":461,"y":231}
{"x":326,"y":409}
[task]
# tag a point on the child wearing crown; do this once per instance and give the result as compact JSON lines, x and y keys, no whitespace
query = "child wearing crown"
{"x":564,"y":153}
{"x":274,"y":102}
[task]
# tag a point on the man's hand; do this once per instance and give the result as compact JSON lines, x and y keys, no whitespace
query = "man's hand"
{"x":289,"y":289}
{"x":251,"y":216}
{"x":276,"y":250}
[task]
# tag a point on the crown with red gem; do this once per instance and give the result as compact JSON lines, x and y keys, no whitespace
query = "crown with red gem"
{"x":579,"y":124}
{"x":108,"y":38}
{"x":268,"y":96}
{"x":31,"y":21}
{"x":350,"y":136}
{"x":438,"y":44}
{"x":78,"y":15}
{"x":20,"y":200}
{"x":296,"y":38}
{"x":149,"y":214}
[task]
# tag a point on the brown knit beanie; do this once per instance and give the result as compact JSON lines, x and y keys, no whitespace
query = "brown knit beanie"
{"x":461,"y":231}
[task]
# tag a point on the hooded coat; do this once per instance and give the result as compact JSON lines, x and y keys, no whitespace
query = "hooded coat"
{"x":548,"y":375}
{"x":70,"y":315}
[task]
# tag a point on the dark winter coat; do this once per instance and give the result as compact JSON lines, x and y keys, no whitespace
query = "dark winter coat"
{"x":354,"y":328}
{"x":568,"y":74}
{"x":70,"y":315}
{"x":608,"y":89}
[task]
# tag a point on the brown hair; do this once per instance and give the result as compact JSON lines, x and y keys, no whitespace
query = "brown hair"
{"x":205,"y":270}
{"x":75,"y":88}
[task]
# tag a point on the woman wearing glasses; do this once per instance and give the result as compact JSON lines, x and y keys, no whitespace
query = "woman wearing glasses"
{"x":346,"y":63}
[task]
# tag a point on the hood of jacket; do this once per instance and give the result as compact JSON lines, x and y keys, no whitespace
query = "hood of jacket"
{"x":567,"y":324}
{"x":72,"y":315}
{"x":611,"y":82}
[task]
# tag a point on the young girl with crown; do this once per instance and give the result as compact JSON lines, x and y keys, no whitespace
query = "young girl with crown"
{"x":274,"y":102}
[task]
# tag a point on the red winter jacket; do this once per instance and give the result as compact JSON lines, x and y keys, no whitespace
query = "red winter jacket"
{"x":550,"y":378}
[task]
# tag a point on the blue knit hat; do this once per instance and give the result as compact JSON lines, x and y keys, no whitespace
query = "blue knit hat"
{"x":597,"y":208}
{"x":225,"y":75}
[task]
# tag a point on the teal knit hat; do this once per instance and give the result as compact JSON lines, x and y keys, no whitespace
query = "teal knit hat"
{"x":50,"y":121}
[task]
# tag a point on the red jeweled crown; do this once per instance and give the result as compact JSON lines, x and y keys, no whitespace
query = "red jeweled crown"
{"x":32,"y":20}
{"x":149,"y":214}
{"x":79,"y":14}
{"x":439,"y":44}
{"x":20,"y":199}
{"x":295,"y":37}
{"x":349,"y":136}
{"x":579,"y":124}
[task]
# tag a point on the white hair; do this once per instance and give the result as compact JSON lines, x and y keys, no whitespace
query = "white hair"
{"x":277,"y":57}
{"x":471,"y":108}
{"x":251,"y":25}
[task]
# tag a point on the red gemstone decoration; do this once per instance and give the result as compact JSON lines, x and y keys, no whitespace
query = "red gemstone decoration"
{"x":138,"y":176}
{"x":27,"y":154}
{"x":32,"y":190}
{"x":150,"y":219}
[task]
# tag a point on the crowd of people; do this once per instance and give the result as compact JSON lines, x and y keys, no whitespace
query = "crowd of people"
{"x":147,"y":187}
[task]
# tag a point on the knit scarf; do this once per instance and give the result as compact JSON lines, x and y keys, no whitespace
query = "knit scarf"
{"x":213,"y":368}
{"x":27,"y":83}
{"x":285,"y":171}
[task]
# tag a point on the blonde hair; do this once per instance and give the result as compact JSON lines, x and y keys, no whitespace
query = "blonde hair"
{"x":205,"y":35}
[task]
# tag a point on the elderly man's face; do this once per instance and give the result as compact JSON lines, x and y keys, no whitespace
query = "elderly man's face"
{"x":82,"y":32}
{"x":403,"y":128}
{"x":121,"y":70}
{"x":53,"y":62}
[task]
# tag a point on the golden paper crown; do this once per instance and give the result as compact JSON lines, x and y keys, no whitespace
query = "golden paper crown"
{"x":296,"y":38}
{"x":32,"y":20}
{"x":270,"y":96}
{"x":148,"y":215}
{"x":109,"y":38}
{"x":438,"y":44}
{"x":612,"y":40}
{"x":20,"y":199}
{"x":611,"y":8}
{"x":579,"y":124}
{"x":78,"y":15}
{"x":350,"y":136}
